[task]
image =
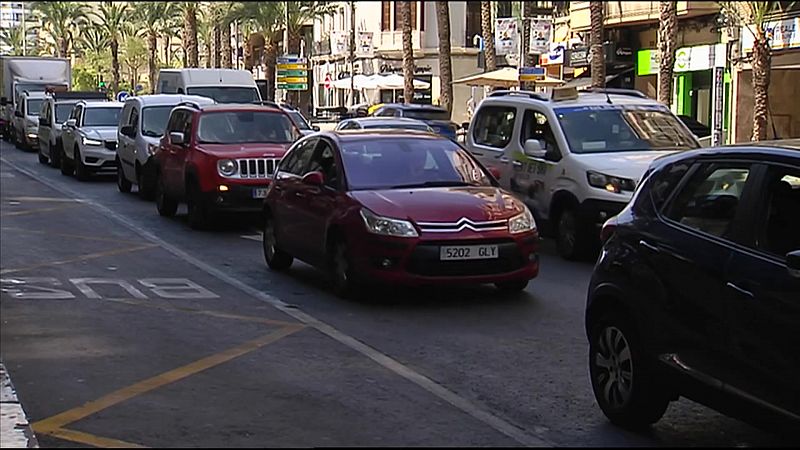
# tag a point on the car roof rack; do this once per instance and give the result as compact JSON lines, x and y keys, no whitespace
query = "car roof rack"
{"x":529,"y":94}
{"x":616,"y":91}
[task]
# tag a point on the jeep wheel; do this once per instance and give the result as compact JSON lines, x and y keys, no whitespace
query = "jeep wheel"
{"x":166,"y":206}
{"x":81,"y":171}
{"x":122,"y":183}
{"x":569,"y":235}
{"x":198,"y":210}
{"x":66,"y":166}
{"x":276,"y":259}
{"x":622,"y":379}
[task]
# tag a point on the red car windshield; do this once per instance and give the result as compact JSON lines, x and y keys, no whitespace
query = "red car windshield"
{"x":240,"y":127}
{"x":409,"y":162}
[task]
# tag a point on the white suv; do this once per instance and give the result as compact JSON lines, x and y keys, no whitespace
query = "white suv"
{"x":574,"y":158}
{"x":89,"y":139}
{"x":141,"y":126}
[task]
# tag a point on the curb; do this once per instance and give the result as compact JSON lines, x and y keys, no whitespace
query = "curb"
{"x":15,"y":431}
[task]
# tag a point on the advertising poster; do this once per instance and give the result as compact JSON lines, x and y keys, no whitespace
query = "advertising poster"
{"x":506,"y":35}
{"x":364,"y":45}
{"x":541,"y":30}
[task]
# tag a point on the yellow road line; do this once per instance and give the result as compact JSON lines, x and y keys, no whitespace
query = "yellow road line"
{"x":90,"y":439}
{"x":205,"y":312}
{"x":80,"y":258}
{"x":61,"y":420}
{"x":77,"y":236}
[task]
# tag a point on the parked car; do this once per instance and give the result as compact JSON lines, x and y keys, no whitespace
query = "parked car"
{"x":371,"y":123}
{"x":219,"y":158}
{"x":140,"y":129}
{"x":223,"y":85}
{"x":299,"y":120}
{"x":438,"y":118}
{"x":574,"y":158}
{"x":703,"y":132}
{"x":396,"y":207}
{"x":25,"y":125}
{"x":697,"y":290}
{"x":89,"y":139}
{"x":56,"y":109}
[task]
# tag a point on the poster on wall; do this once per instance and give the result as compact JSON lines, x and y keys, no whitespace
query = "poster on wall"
{"x":505,"y":39}
{"x":541,"y":30}
{"x":338,"y":42}
{"x":364,"y":45}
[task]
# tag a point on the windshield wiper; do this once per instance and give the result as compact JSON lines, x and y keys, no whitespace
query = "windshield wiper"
{"x":451,"y":183}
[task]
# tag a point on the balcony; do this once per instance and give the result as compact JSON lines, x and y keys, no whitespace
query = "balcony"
{"x":393,"y":40}
{"x":634,"y":13}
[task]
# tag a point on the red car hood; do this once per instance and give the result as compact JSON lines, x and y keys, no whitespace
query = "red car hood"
{"x":441,"y":204}
{"x":235,"y":151}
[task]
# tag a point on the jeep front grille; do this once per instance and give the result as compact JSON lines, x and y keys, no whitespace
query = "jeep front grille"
{"x":257,"y":167}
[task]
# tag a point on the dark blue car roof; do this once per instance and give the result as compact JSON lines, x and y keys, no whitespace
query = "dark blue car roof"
{"x":777,"y":151}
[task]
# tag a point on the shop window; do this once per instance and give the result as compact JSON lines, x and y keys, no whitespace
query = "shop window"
{"x":473,"y":22}
{"x":503,"y":9}
{"x":397,"y":21}
{"x":386,"y":16}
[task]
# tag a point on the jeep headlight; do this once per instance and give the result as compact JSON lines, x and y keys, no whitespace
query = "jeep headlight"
{"x":87,"y":141}
{"x":227,"y":167}
{"x":521,"y":222}
{"x":610,"y":183}
{"x":387,"y":226}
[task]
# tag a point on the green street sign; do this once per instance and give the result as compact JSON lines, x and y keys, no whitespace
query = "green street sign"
{"x":292,"y":73}
{"x":293,"y":87}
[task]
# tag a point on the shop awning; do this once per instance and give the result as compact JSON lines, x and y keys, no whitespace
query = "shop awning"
{"x":506,"y":77}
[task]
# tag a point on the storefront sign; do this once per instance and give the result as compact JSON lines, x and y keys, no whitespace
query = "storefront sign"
{"x":578,"y":57}
{"x":717,"y":98}
{"x":506,"y":36}
{"x":687,"y":59}
{"x":541,"y":30}
{"x":781,"y":33}
{"x":555,"y":55}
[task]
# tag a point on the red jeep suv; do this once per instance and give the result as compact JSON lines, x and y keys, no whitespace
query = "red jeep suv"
{"x":396,"y":207}
{"x":219,"y":158}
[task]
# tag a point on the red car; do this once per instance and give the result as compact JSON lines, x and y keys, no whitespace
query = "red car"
{"x":219,"y":158}
{"x":396,"y":207}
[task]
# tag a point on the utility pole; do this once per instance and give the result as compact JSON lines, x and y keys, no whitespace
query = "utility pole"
{"x":352,"y":52}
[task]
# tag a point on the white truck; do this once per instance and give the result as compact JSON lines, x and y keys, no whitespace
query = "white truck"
{"x":221,"y":85}
{"x":28,"y":73}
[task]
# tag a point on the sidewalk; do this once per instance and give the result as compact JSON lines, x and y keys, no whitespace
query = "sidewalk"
{"x":15,"y":431}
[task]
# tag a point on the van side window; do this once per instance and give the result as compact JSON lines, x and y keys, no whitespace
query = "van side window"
{"x":134,"y":120}
{"x":536,"y":126}
{"x":494,"y":126}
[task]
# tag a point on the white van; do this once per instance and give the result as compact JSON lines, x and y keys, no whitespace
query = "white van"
{"x":221,"y":85}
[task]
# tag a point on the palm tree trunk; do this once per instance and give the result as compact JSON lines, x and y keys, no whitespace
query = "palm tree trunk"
{"x":217,"y":46}
{"x":445,"y":68}
{"x":209,"y":51}
{"x":293,"y":97}
{"x":63,"y":47}
{"x":271,"y":56}
{"x":408,"y":53}
{"x":526,"y":43}
{"x":762,"y":61}
{"x":598,"y":64}
{"x":667,"y":40}
{"x":115,"y":66}
{"x":488,"y":35}
{"x":167,"y":59}
{"x":151,"y":61}
{"x":227,"y":58}
{"x":190,"y":37}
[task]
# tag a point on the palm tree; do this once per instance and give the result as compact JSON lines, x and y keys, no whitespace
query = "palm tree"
{"x":62,"y":21}
{"x":262,"y":23}
{"x":667,"y":41}
{"x":168,"y":27}
{"x":14,"y":39}
{"x":111,"y":19}
{"x":408,"y":52}
{"x":300,"y":13}
{"x":488,"y":35}
{"x":755,"y":15}
{"x":205,"y":36}
{"x":227,"y":50}
{"x":598,"y":63}
{"x":134,"y":56}
{"x":445,"y":68}
{"x":189,"y":10}
{"x":150,"y":16}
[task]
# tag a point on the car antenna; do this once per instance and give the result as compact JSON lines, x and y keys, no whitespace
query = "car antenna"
{"x":608,"y":98}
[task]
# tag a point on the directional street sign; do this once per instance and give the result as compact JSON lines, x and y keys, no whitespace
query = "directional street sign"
{"x":531,"y":73}
{"x":292,"y":73}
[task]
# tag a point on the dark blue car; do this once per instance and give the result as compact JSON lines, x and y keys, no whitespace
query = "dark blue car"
{"x":697,"y":290}
{"x":436,"y":117}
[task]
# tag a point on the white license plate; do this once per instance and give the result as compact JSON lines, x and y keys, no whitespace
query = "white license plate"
{"x":464,"y":252}
{"x":260,"y":193}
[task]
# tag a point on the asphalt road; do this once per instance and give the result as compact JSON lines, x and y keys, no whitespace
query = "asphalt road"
{"x":121,"y":327}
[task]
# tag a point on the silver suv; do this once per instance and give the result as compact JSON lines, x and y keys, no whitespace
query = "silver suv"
{"x":56,"y":109}
{"x":89,"y":139}
{"x":141,"y":126}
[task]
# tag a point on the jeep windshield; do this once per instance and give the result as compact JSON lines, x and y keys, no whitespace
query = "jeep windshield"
{"x":101,"y":117}
{"x":623,"y":128}
{"x":154,"y":120}
{"x":240,"y":127}
{"x":225,"y":94}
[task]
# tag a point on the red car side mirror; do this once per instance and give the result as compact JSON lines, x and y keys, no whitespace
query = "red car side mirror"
{"x":314,"y":178}
{"x":495,"y":172}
